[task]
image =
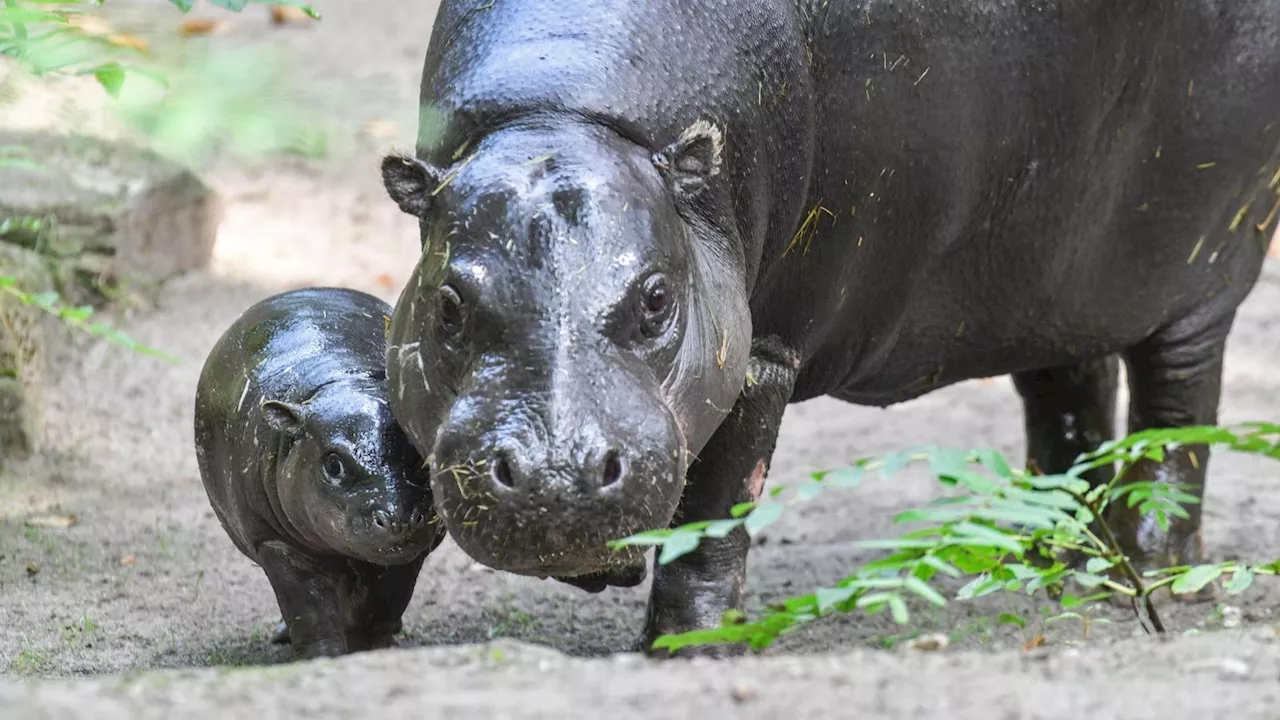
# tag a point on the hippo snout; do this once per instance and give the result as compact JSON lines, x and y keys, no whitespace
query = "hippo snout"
{"x":514,"y":472}
{"x":391,"y":526}
{"x":544,"y":500}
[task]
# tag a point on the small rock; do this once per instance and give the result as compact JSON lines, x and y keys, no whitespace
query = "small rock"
{"x":32,"y":569}
{"x":1233,"y":669}
{"x":742,"y":692}
{"x":930,"y":643}
{"x":1227,"y":668}
{"x":1231,"y":616}
{"x":128,"y":560}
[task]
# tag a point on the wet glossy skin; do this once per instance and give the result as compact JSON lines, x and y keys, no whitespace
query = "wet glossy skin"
{"x":308,"y":471}
{"x":872,"y":201}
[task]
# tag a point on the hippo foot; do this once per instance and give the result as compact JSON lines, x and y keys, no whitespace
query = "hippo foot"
{"x":1181,"y":545}
{"x":714,"y":652}
{"x":318,"y":649}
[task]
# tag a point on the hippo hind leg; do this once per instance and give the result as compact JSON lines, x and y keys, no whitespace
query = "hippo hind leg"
{"x":1175,"y":380}
{"x":1069,"y":410}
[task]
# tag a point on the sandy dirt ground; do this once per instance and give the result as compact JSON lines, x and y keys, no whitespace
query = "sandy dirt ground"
{"x":144,"y":609}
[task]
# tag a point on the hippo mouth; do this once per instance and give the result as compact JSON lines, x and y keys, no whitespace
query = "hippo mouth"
{"x":559,"y":531}
{"x":379,"y":539}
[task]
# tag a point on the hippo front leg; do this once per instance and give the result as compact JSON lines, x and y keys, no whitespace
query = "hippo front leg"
{"x":1175,"y":380}
{"x":695,"y":591}
{"x":377,"y":603}
{"x":307,"y":591}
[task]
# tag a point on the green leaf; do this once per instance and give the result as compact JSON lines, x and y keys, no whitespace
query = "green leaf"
{"x":827,"y":598}
{"x":982,"y":535}
{"x":809,"y":491}
{"x":677,"y":546}
{"x":111,"y":77}
{"x":941,"y":566}
{"x":922,"y":588}
{"x":1240,"y":581}
{"x":1088,"y":579}
{"x":995,"y":462}
{"x":898,"y":608}
{"x":850,"y":477}
{"x":184,"y":5}
{"x":762,"y":517}
{"x":1011,"y":619}
{"x":720,"y":528}
{"x":1196,"y":578}
{"x":1099,"y":564}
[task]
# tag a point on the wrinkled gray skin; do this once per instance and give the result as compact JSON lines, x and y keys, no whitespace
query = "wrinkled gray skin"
{"x":308,"y":471}
{"x":648,"y":227}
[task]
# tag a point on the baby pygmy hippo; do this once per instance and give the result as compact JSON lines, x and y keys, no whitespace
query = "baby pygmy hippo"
{"x":308,"y":471}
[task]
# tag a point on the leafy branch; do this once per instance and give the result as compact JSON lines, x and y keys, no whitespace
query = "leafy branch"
{"x":1006,"y":530}
{"x":77,"y":317}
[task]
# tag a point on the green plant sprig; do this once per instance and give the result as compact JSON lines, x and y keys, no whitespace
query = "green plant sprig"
{"x":1005,"y":531}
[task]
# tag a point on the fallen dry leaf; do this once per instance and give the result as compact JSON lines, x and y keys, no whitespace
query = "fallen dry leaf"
{"x":129,"y":41}
{"x":931,"y":642}
{"x":128,"y":560}
{"x":384,"y":281}
{"x":52,"y":521}
{"x":90,"y":24}
{"x":1033,"y":643}
{"x":200,"y":26}
{"x":285,"y":14}
{"x":380,"y":129}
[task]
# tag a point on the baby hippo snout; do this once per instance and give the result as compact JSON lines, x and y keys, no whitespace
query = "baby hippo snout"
{"x":397,"y":526}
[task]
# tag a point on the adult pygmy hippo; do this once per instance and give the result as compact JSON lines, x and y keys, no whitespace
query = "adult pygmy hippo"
{"x":647,"y":227}
{"x":308,"y":471}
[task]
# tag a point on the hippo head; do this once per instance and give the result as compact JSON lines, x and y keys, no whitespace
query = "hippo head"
{"x":575,"y":330}
{"x":350,"y":482}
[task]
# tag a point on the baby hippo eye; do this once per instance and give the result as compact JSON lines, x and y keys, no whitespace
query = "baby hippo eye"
{"x":334,"y":469}
{"x":451,"y":316}
{"x":656,"y":304}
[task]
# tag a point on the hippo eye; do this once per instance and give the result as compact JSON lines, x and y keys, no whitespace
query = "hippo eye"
{"x":657,"y":303}
{"x":334,"y":469}
{"x":450,"y":310}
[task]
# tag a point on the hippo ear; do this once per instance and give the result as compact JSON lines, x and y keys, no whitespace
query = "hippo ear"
{"x":410,"y":182}
{"x":698,"y":152}
{"x":283,"y":417}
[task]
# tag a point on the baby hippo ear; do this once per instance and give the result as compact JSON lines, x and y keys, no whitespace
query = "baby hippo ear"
{"x":410,"y":182}
{"x":283,"y":417}
{"x":698,"y":152}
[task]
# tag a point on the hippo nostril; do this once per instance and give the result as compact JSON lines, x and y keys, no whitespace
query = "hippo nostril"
{"x":417,"y":518}
{"x":381,"y":520}
{"x":612,"y":469}
{"x":502,"y":471}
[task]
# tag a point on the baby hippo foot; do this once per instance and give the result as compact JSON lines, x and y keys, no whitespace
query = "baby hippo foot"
{"x":377,"y":637}
{"x":280,"y":634}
